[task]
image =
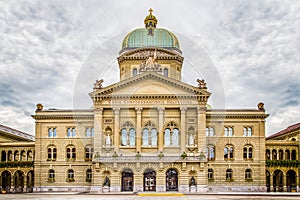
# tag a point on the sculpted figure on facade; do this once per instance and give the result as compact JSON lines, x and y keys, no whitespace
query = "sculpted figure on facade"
{"x":98,"y":84}
{"x":108,"y":140}
{"x":201,"y":84}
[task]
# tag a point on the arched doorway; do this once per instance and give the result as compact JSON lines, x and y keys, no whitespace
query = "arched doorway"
{"x":171,"y":180}
{"x":278,"y":181}
{"x":127,"y":180}
{"x":19,"y":181}
{"x":291,"y":181}
{"x":149,"y":180}
{"x":6,"y":180}
{"x":30,"y":181}
{"x":268,"y":181}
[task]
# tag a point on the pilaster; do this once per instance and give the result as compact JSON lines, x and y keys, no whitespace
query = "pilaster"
{"x":183,"y":128}
{"x":201,"y":123}
{"x":160,"y":128}
{"x":116,"y":129}
{"x":98,"y":120}
{"x":138,"y":129}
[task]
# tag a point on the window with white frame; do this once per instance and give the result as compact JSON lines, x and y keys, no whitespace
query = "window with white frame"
{"x":210,"y":152}
{"x":247,"y":131}
{"x":149,"y":135}
{"x":70,"y":175}
{"x":51,"y":175}
{"x":128,"y":135}
{"x":52,"y":153}
{"x":71,"y":132}
{"x":51,"y":132}
{"x":171,"y":135}
{"x":89,"y":150}
{"x":228,"y":131}
{"x":210,"y":131}
{"x":89,"y":132}
{"x":248,"y":174}
{"x":71,"y":153}
{"x":248,"y":152}
{"x":228,"y":152}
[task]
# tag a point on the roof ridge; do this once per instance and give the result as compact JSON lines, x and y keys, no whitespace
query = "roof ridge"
{"x":16,"y":132}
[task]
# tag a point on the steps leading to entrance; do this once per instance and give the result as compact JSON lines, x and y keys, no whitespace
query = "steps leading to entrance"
{"x":161,"y":194}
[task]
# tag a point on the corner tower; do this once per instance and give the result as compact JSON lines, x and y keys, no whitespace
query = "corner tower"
{"x":150,"y":49}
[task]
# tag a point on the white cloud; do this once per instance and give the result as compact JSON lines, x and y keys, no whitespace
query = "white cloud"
{"x":254,"y":45}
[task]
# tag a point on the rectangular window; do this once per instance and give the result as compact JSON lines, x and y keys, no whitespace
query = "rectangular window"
{"x":71,"y":132}
{"x":51,"y":132}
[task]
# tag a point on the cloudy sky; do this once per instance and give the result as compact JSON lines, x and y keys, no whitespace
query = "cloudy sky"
{"x":46,"y":46}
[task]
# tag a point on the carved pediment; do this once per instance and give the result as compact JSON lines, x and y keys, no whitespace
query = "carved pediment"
{"x":144,"y":53}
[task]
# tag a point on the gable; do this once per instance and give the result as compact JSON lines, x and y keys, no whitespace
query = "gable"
{"x":151,"y":83}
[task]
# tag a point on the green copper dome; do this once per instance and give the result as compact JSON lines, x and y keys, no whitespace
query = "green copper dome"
{"x":150,"y":36}
{"x":141,"y":38}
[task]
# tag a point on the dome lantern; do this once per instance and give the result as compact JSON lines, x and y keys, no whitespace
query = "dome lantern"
{"x":150,"y":22}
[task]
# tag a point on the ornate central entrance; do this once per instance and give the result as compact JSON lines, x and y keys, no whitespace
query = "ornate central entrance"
{"x":172,"y":180}
{"x":127,"y":180}
{"x":149,"y":180}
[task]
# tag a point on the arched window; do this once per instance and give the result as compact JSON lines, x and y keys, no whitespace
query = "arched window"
{"x":248,"y":152}
{"x":175,"y":137}
{"x":3,"y":156}
{"x":280,"y":154}
{"x":134,"y":72}
{"x":70,"y":175}
{"x":229,"y":175}
{"x":274,"y":154}
{"x":166,"y":72}
{"x":268,"y":154}
{"x":210,"y":152}
{"x":16,"y":155}
{"x":167,"y":137}
{"x":210,"y":174}
{"x":89,"y":150}
{"x":23,"y":155}
{"x":145,"y":137}
{"x":128,"y":135}
{"x":287,"y":155}
{"x":51,"y":175}
{"x":248,"y":174}
{"x":88,"y":177}
{"x":71,"y":153}
{"x":229,"y":152}
{"x":294,"y":155}
{"x":210,"y":131}
{"x":149,"y":135}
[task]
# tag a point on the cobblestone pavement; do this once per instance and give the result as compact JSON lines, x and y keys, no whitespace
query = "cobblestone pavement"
{"x":136,"y":197}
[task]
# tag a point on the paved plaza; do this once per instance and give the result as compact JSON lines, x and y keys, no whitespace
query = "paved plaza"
{"x":275,"y":196}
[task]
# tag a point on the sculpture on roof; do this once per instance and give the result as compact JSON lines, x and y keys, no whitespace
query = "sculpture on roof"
{"x":98,"y":84}
{"x":201,"y":84}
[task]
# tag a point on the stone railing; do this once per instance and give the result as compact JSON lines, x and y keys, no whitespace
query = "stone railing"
{"x":141,"y":158}
{"x":16,"y":164}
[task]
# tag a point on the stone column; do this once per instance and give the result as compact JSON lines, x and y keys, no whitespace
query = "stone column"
{"x":98,"y":132}
{"x":201,"y":123}
{"x":271,"y":183}
{"x":139,"y":129}
{"x":160,"y":128}
{"x":117,"y":129}
{"x":183,"y":129}
{"x":284,"y":183}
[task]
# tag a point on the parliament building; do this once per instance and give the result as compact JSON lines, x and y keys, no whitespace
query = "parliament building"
{"x":150,"y":132}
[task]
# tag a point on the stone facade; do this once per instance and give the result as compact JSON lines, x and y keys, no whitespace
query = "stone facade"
{"x":17,"y":157}
{"x":150,"y":131}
